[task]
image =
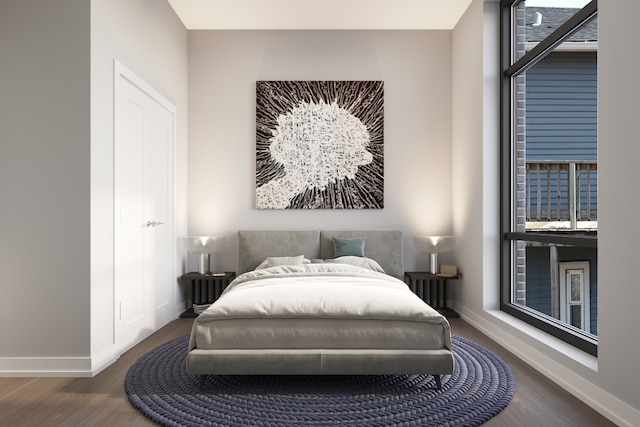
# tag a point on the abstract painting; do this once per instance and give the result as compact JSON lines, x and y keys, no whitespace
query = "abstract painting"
{"x":319,"y":145}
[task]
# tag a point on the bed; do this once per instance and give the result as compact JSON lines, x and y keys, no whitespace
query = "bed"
{"x":306,"y":302}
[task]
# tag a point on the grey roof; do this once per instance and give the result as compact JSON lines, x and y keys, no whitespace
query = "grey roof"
{"x":552,"y":18}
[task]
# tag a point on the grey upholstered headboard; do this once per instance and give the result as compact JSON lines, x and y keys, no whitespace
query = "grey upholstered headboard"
{"x":254,"y":246}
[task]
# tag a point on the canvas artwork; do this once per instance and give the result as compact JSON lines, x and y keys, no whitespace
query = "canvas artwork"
{"x":319,"y":145}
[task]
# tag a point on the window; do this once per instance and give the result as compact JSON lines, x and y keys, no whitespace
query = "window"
{"x":549,"y":167}
{"x":575,"y":295}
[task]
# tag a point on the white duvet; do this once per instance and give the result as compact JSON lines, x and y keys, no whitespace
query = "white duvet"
{"x":320,"y":306}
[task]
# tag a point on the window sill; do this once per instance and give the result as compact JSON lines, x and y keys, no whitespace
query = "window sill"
{"x":533,"y":333}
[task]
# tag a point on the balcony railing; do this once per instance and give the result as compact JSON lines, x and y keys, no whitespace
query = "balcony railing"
{"x":562,"y":192}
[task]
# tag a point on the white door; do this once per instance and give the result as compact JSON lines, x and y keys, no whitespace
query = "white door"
{"x":143,"y":200}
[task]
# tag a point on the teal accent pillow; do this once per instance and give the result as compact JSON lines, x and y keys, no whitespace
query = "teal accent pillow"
{"x":348,"y":247}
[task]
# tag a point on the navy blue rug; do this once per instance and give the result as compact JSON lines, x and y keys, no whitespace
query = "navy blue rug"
{"x":159,"y":386}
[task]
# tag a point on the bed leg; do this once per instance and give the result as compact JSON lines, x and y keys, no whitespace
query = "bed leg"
{"x":438,"y":379}
{"x":203,"y":380}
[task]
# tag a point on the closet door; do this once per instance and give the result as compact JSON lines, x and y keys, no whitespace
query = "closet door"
{"x":144,"y":244}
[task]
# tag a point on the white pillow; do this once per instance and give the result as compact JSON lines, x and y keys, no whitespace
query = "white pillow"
{"x":283,"y":260}
{"x":358,"y":261}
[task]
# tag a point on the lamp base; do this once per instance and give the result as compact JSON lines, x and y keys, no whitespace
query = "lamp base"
{"x":203,"y":264}
{"x":433,"y":263}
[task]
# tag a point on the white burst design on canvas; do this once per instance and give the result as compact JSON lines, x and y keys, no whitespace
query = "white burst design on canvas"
{"x":317,"y":144}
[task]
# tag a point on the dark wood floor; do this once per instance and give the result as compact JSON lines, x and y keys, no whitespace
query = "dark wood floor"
{"x":101,"y":401}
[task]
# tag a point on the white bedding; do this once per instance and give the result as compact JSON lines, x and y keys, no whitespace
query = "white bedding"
{"x":311,"y":306}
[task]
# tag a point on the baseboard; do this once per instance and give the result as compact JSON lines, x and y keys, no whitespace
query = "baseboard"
{"x":33,"y":367}
{"x":45,"y":367}
{"x":616,"y":410}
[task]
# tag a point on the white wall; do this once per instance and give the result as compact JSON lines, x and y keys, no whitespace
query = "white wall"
{"x":148,"y":38}
{"x":56,"y":170}
{"x":610,"y":383}
{"x":223,"y":69}
{"x":44,"y":182}
{"x":475,"y":173}
{"x":619,"y":229}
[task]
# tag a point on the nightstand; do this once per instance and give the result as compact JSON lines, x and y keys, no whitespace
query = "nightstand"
{"x":432,"y":289}
{"x":205,"y":289}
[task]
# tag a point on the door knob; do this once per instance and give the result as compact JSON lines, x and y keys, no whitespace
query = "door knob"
{"x":153,"y":223}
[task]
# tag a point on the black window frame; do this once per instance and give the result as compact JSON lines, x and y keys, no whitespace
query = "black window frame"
{"x":509,"y":70}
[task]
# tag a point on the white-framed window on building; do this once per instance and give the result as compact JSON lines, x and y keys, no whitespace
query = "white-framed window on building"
{"x":574,"y":295}
{"x":549,"y":167}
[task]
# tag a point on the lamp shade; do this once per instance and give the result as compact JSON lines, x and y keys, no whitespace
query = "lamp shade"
{"x":204,"y":244}
{"x":434,"y":244}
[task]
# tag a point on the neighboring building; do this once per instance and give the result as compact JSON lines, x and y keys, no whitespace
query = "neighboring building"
{"x":561,"y":170}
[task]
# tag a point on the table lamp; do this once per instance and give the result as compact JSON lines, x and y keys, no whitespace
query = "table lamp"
{"x":204,"y":246}
{"x":434,"y":245}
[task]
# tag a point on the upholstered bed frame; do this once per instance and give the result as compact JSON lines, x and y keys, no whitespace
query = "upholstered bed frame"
{"x":384,"y":246}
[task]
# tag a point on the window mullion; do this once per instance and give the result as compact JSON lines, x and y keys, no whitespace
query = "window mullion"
{"x":581,"y":241}
{"x":572,"y":25}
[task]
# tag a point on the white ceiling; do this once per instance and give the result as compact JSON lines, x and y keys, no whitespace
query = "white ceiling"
{"x":320,"y":14}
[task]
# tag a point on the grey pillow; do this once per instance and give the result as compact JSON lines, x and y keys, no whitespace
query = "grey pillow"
{"x":282,"y":260}
{"x":359,"y":261}
{"x":348,"y":247}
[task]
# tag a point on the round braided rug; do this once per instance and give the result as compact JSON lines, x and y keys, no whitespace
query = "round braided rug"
{"x":480,"y":387}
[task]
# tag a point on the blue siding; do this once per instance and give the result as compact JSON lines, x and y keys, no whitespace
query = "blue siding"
{"x":538,"y":280}
{"x":561,"y":107}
